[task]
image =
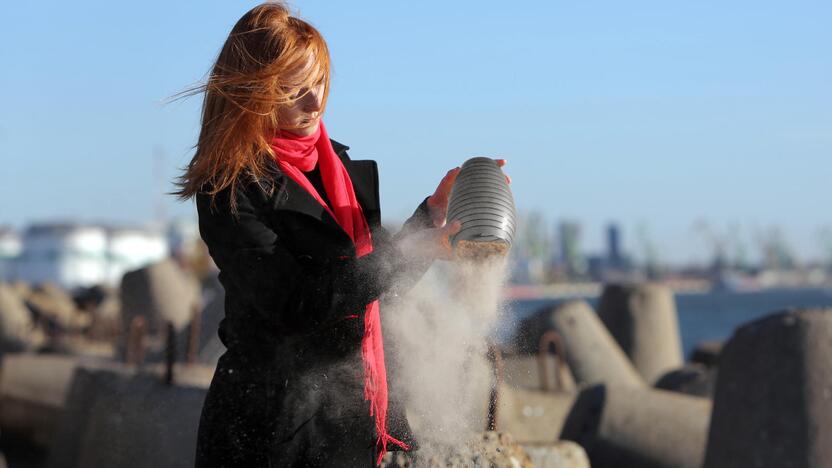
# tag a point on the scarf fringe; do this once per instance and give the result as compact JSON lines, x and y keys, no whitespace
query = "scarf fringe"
{"x":382,"y":446}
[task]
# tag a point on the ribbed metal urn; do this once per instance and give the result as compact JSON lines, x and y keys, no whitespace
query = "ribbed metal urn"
{"x":481,"y":199}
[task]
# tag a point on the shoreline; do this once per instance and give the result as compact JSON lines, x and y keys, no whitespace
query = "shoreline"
{"x":591,"y":289}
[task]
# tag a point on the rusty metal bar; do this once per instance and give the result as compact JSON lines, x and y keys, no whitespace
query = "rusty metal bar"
{"x":136,"y":341}
{"x":496,"y":360}
{"x":551,"y":339}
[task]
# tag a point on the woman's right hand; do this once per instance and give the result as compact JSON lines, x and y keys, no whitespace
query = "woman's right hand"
{"x":430,"y":244}
{"x":438,"y":202}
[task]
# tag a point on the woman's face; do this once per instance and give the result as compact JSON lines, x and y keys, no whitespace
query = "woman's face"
{"x":304,"y":114}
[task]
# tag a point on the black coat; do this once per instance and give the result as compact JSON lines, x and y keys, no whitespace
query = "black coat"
{"x":289,"y":390}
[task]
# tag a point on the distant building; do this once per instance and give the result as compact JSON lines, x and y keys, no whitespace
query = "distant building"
{"x":10,"y":247}
{"x":129,"y":249}
{"x":182,"y":236}
{"x":614,"y":255}
{"x":74,"y":255}
{"x":597,"y":267}
{"x":66,"y":254}
{"x":570,"y":248}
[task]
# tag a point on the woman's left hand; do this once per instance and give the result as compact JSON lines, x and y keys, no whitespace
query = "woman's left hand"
{"x":438,"y":202}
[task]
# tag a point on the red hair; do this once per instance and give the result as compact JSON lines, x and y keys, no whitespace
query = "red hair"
{"x":256,"y":71}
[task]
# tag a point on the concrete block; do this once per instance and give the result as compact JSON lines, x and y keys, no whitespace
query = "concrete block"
{"x":55,"y":306}
{"x":592,"y":353}
{"x":642,"y":318}
{"x":562,"y":454}
{"x":162,"y":292}
{"x":523,"y":371}
{"x":639,"y":427}
{"x":33,"y":392}
{"x":773,"y":399}
{"x":132,"y":421}
{"x":691,"y":379}
{"x":532,"y":416}
{"x":707,"y":353}
{"x":16,"y":325}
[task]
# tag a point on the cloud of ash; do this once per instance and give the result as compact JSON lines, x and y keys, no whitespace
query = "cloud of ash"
{"x":437,"y":336}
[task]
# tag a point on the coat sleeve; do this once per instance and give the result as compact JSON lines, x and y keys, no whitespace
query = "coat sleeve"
{"x":286,"y":291}
{"x":419,"y":221}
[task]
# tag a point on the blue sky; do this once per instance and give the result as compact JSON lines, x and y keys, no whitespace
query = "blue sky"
{"x":650,"y":113}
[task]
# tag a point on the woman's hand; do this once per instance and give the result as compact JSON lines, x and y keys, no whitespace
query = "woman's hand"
{"x":438,"y":202}
{"x":501,"y":163}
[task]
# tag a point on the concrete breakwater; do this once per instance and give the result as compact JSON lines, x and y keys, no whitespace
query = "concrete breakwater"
{"x":773,"y":399}
{"x":613,"y":384}
{"x":81,"y":412}
{"x":762,"y":400}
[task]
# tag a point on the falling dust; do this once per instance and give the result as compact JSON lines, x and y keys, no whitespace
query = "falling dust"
{"x":439,"y":333}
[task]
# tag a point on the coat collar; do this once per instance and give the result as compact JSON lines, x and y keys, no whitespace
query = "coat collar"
{"x":364,"y":177}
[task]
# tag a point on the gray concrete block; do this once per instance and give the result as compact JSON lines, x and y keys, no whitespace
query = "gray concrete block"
{"x":562,"y":454}
{"x":691,"y":379}
{"x":532,"y":416}
{"x":33,"y":392}
{"x":523,"y":371}
{"x":707,"y":353}
{"x":639,"y":427}
{"x":54,"y":305}
{"x":642,"y":318}
{"x":131,"y":421}
{"x":162,"y":292}
{"x":16,"y":325}
{"x":773,"y":399}
{"x":592,"y":353}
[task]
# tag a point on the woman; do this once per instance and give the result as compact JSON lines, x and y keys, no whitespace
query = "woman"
{"x":294,"y":226}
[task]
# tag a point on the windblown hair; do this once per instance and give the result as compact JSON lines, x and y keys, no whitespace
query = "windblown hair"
{"x":255,"y":73}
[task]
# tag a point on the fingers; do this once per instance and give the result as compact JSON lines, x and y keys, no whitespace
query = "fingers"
{"x":444,"y":188}
{"x":501,"y":163}
{"x":448,"y":182}
{"x":438,"y":202}
{"x":446,"y":250}
{"x":438,"y":207}
{"x":451,"y":228}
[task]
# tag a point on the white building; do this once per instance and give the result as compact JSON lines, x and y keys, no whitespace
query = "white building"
{"x":129,"y":249}
{"x":10,"y":248}
{"x":73,"y":255}
{"x":183,"y":236}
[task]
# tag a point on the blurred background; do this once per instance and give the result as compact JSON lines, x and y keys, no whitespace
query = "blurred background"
{"x":688,"y":143}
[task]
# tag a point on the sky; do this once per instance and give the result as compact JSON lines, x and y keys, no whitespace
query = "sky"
{"x":652,"y":114}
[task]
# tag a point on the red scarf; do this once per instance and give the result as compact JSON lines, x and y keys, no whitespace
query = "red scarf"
{"x":298,"y":154}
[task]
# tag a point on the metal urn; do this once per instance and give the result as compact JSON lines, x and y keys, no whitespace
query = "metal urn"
{"x":482,"y":201}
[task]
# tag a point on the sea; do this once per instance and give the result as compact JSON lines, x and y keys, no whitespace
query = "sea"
{"x":702,"y":316}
